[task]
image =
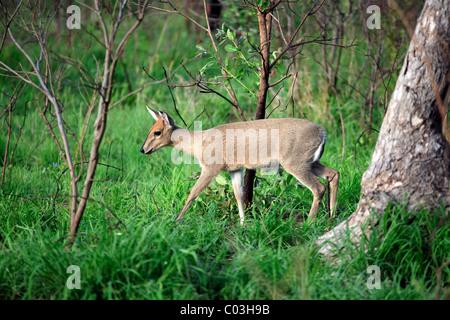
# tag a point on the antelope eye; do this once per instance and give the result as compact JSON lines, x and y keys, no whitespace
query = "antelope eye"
{"x":157,"y":133}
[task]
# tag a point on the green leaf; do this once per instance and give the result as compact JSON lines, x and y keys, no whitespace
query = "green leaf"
{"x":230,"y":35}
{"x":221,"y":180}
{"x":200,"y":48}
{"x":263,"y":4}
{"x":230,"y":48}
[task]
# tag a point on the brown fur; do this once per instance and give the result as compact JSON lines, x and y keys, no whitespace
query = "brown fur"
{"x":295,"y":144}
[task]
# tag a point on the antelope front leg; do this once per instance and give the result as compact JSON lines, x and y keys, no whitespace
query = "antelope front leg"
{"x":205,"y":179}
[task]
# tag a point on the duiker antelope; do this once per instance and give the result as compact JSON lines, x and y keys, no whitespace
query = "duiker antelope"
{"x":295,"y":144}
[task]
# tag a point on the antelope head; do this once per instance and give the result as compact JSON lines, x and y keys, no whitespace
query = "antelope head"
{"x":160,"y":133}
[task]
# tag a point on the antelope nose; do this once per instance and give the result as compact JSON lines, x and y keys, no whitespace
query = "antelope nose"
{"x":142,"y":150}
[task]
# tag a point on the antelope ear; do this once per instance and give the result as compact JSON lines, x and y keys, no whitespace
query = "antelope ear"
{"x":167,"y":119}
{"x":153,"y":113}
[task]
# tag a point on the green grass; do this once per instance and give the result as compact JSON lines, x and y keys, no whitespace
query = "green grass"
{"x":209,"y":255}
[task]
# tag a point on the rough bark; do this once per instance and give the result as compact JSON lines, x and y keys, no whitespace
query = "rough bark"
{"x":410,"y":164}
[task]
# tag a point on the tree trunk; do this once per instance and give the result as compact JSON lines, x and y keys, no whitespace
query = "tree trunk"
{"x":410,"y":164}
{"x":265,"y":28}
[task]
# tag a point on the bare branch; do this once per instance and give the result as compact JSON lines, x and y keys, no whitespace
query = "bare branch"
{"x":8,"y":21}
{"x":281,"y":80}
{"x":109,"y":66}
{"x":175,"y":11}
{"x":173,"y":98}
{"x":12,"y":101}
{"x":288,"y":47}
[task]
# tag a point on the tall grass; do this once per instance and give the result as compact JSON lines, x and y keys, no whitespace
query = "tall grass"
{"x":210,"y":256}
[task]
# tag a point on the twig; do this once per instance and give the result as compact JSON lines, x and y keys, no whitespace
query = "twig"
{"x":8,"y":21}
{"x":52,"y":134}
{"x":265,"y":229}
{"x":279,"y":81}
{"x":342,"y":123}
{"x":173,"y":98}
{"x":273,"y":98}
{"x":58,"y":188}
{"x":107,"y":162}
{"x":288,"y":47}
{"x":153,"y":198}
{"x":175,"y":11}
{"x":279,"y":26}
{"x":12,"y":101}
{"x":230,"y":89}
{"x":204,"y":108}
